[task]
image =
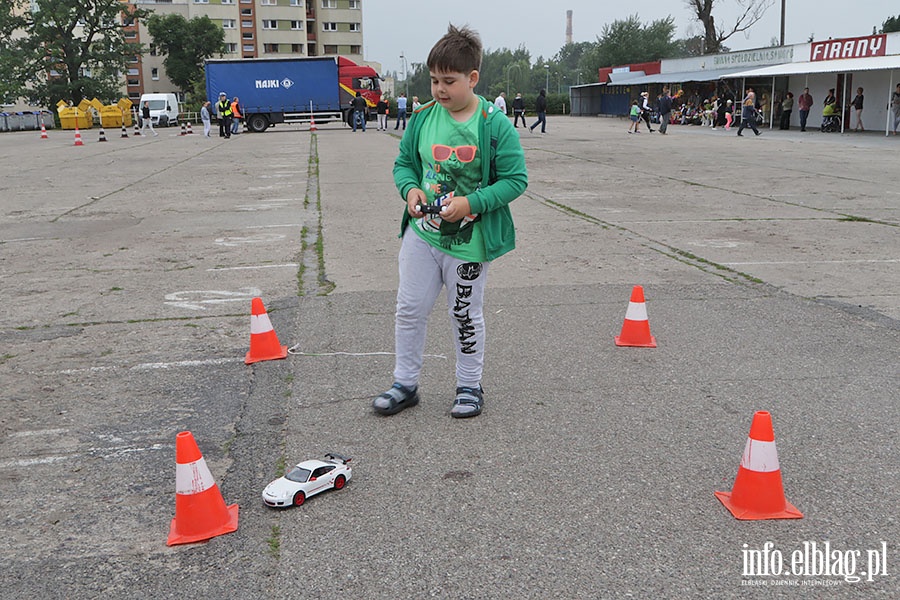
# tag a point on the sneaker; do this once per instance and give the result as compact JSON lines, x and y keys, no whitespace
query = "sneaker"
{"x":395,"y":399}
{"x":469,"y":402}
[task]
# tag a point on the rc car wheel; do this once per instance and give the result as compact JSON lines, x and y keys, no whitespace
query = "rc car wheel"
{"x":339,"y":482}
{"x":299,"y":498}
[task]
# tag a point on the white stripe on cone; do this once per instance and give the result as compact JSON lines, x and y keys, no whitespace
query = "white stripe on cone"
{"x":193,"y":478}
{"x":637,"y":311}
{"x":260,"y":324}
{"x":761,"y":457}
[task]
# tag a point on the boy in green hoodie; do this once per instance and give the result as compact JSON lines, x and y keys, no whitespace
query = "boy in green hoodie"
{"x":460,"y":165}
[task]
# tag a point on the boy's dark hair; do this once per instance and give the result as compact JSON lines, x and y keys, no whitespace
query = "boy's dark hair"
{"x":458,"y":51}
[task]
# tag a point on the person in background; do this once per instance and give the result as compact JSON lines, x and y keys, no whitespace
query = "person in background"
{"x":359,"y":111}
{"x":236,"y":116}
{"x":748,"y":112}
{"x":519,"y":110}
{"x":223,"y":110}
{"x":415,"y":104}
{"x":146,"y":121}
{"x":857,"y":104}
{"x":206,"y":118}
{"x":540,"y":107}
{"x":635,"y":116}
{"x":829,"y":99}
{"x":401,"y":111}
{"x":646,"y":111}
{"x":664,"y":106}
{"x":381,"y":109}
{"x":500,"y":102}
{"x":895,"y":110}
{"x":787,"y":107}
{"x":804,"y":103}
{"x":729,"y":114}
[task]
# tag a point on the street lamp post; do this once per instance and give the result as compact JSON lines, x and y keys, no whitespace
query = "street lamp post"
{"x":405,"y":72}
{"x":547,"y":84}
{"x":508,"y":67}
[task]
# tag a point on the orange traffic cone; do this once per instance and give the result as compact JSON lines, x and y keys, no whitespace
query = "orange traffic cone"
{"x":758,"y":492}
{"x":263,"y":341}
{"x":78,"y":141}
{"x":44,"y":135}
{"x":102,"y":135}
{"x":636,"y":328}
{"x":312,"y":123}
{"x":190,"y":130}
{"x":200,"y":511}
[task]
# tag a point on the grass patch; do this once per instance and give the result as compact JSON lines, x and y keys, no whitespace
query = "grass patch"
{"x":274,"y":542}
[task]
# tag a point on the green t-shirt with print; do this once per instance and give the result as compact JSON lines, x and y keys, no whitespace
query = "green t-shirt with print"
{"x":451,"y":163}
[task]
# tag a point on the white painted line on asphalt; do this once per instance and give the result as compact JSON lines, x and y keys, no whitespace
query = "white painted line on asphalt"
{"x":101,"y":452}
{"x":197,"y":299}
{"x":36,"y":239}
{"x":285,"y":265}
{"x":814,"y":262}
{"x":35,"y":432}
{"x":263,"y":238}
{"x":185,"y":363}
{"x":272,"y":226}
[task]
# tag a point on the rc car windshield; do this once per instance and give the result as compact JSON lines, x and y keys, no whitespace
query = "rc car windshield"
{"x":298,"y":474}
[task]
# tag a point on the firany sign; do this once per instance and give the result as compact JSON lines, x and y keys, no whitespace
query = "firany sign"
{"x":861,"y":47}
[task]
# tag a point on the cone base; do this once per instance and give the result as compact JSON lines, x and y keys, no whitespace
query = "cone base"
{"x":229,"y":527}
{"x":282,"y":353}
{"x":623,"y":342}
{"x":744,"y":514}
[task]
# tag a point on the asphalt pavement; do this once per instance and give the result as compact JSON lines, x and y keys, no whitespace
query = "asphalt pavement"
{"x":771,"y":270}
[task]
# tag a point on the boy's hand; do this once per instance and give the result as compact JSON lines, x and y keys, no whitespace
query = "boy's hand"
{"x":456,"y":208}
{"x":415,"y":197}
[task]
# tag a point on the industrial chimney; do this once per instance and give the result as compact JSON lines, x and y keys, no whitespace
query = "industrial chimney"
{"x":568,"y":27}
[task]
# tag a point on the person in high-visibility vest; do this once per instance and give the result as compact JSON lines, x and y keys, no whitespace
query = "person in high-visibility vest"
{"x":223,"y":109}
{"x":235,"y":115}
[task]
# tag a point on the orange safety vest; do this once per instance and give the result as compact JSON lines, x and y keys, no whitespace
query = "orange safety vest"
{"x":235,"y":110}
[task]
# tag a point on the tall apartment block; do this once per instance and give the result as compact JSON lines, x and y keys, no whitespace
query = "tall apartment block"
{"x":255,"y":29}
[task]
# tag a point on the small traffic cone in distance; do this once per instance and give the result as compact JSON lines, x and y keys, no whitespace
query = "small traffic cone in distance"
{"x":44,"y":135}
{"x":78,"y":141}
{"x":189,"y":129}
{"x":200,"y":511}
{"x":124,"y":131}
{"x":758,"y":492}
{"x":264,"y":343}
{"x":183,"y":129}
{"x":102,"y":135}
{"x":312,"y":123}
{"x":636,"y":328}
{"x":137,"y":130}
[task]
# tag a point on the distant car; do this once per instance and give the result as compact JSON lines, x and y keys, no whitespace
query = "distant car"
{"x":308,"y":479}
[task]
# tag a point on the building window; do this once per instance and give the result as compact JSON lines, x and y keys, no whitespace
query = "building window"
{"x":354,"y":4}
{"x":130,"y":72}
{"x":356,"y":49}
{"x":270,"y":24}
{"x":152,"y":49}
{"x":247,"y":35}
{"x":268,"y":2}
{"x":329,"y":3}
{"x":296,"y":48}
{"x":296,"y":2}
{"x":133,"y":82}
{"x":229,"y":24}
{"x":355,"y":27}
{"x":154,"y":74}
{"x":246,"y":12}
{"x":246,"y":24}
{"x":231,"y":48}
{"x":130,"y":34}
{"x":329,"y":26}
{"x":201,"y":1}
{"x":330,"y":48}
{"x":297,"y":25}
{"x":248,"y":47}
{"x":270,"y":48}
{"x":227,"y":1}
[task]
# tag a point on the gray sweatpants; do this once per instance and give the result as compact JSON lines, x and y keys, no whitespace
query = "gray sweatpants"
{"x":424,"y":270}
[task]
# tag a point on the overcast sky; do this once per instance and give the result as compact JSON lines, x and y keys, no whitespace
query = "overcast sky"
{"x":392,"y":27}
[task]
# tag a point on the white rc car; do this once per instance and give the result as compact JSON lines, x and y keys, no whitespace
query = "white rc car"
{"x":308,"y":479}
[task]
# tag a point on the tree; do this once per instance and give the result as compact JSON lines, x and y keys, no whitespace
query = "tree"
{"x":186,"y":45}
{"x":891,"y":24}
{"x":11,"y":20}
{"x":76,"y":49}
{"x":629,"y":41}
{"x":751,"y":12}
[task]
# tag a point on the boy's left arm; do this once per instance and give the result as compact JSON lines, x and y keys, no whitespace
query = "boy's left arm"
{"x":511,"y":175}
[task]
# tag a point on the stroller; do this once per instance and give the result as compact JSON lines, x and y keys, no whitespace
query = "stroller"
{"x":831,"y":121}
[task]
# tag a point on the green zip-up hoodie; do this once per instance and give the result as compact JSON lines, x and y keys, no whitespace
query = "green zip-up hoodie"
{"x":503,"y":178}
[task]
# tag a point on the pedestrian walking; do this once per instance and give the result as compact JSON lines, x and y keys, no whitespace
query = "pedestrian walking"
{"x":401,"y":111}
{"x":146,"y":121}
{"x":206,"y":118}
{"x":664,"y":106}
{"x":540,"y":107}
{"x":500,"y":102}
{"x":381,"y":109}
{"x":519,"y":110}
{"x":748,"y":112}
{"x":236,"y":116}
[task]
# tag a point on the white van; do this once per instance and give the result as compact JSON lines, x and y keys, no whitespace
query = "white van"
{"x":163,"y":109}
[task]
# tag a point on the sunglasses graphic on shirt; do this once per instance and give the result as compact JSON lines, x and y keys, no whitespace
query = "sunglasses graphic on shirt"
{"x":465,"y":154}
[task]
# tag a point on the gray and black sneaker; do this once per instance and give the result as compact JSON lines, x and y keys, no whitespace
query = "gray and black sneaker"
{"x":469,"y":402}
{"x":395,"y":399}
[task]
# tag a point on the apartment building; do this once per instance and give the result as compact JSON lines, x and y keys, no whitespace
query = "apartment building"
{"x":254,"y":29}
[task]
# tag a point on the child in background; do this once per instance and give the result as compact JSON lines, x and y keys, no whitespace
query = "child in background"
{"x":635,"y":117}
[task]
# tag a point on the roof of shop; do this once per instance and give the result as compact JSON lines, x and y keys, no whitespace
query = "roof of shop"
{"x":844,"y":65}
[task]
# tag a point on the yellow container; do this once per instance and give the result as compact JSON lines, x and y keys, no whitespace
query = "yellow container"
{"x":111,"y":116}
{"x":70,"y":118}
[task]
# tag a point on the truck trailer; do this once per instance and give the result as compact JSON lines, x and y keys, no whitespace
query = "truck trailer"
{"x":292,"y":90}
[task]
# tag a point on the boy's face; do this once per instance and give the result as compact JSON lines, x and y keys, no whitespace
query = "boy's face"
{"x":453,"y":90}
